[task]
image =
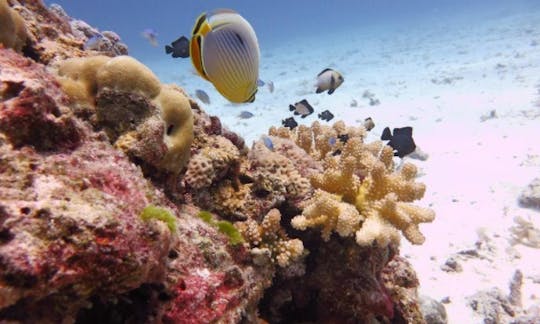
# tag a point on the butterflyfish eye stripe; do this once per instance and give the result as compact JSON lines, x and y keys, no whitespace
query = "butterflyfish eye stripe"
{"x":199,"y":23}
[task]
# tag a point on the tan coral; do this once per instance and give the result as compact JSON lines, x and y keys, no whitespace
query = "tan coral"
{"x":229,"y":201}
{"x":211,"y":162}
{"x":328,"y":212}
{"x":270,"y":236}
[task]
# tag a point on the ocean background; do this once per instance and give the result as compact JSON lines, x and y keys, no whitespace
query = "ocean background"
{"x":375,"y":44}
{"x":464,"y":74}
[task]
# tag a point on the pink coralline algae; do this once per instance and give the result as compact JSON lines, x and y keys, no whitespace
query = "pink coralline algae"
{"x":202,"y":297}
{"x":33,"y":110}
{"x":69,"y":205}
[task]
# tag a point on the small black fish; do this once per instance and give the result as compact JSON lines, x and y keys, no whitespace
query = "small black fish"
{"x":401,"y":140}
{"x":326,"y":115}
{"x":343,"y":138}
{"x":289,"y":122}
{"x":178,"y":48}
{"x":336,"y":152}
{"x":302,"y":108}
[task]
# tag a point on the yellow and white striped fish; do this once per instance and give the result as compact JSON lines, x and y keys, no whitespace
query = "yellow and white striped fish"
{"x":225,"y":51}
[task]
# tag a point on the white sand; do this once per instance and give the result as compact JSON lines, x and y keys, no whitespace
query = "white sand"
{"x":475,"y":169}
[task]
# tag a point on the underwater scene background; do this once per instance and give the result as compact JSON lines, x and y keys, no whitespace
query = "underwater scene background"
{"x":131,"y":190}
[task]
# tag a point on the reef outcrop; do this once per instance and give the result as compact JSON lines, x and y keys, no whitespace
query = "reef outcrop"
{"x":122,"y":200}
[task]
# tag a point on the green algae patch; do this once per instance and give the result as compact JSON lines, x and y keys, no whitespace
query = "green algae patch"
{"x":162,"y":214}
{"x":228,"y":229}
{"x":206,"y":216}
{"x":224,"y":227}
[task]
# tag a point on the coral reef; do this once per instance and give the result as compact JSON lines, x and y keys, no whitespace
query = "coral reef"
{"x":240,"y":185}
{"x":29,"y":110}
{"x":69,"y":204}
{"x":53,"y":36}
{"x":121,"y":200}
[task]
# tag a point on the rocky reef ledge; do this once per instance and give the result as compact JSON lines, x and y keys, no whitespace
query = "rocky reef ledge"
{"x":121,"y":200}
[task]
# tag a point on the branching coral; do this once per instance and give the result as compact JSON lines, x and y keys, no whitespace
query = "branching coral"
{"x":269,"y":236}
{"x":359,"y":191}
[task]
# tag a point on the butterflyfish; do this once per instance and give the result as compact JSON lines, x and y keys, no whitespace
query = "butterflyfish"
{"x":224,"y":50}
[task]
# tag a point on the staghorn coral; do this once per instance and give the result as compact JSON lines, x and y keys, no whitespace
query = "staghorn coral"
{"x":269,"y":236}
{"x":150,"y":122}
{"x":362,"y":177}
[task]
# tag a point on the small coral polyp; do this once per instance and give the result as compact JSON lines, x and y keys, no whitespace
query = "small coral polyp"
{"x":360,"y":192}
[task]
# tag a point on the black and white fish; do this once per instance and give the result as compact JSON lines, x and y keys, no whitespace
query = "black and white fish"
{"x":369,"y":124}
{"x":400,"y":140}
{"x":326,"y":115}
{"x":302,"y":108}
{"x":289,"y":123}
{"x":329,"y":80}
{"x":203,"y":96}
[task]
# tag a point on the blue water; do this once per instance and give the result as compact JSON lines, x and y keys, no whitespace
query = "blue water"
{"x":279,"y":21}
